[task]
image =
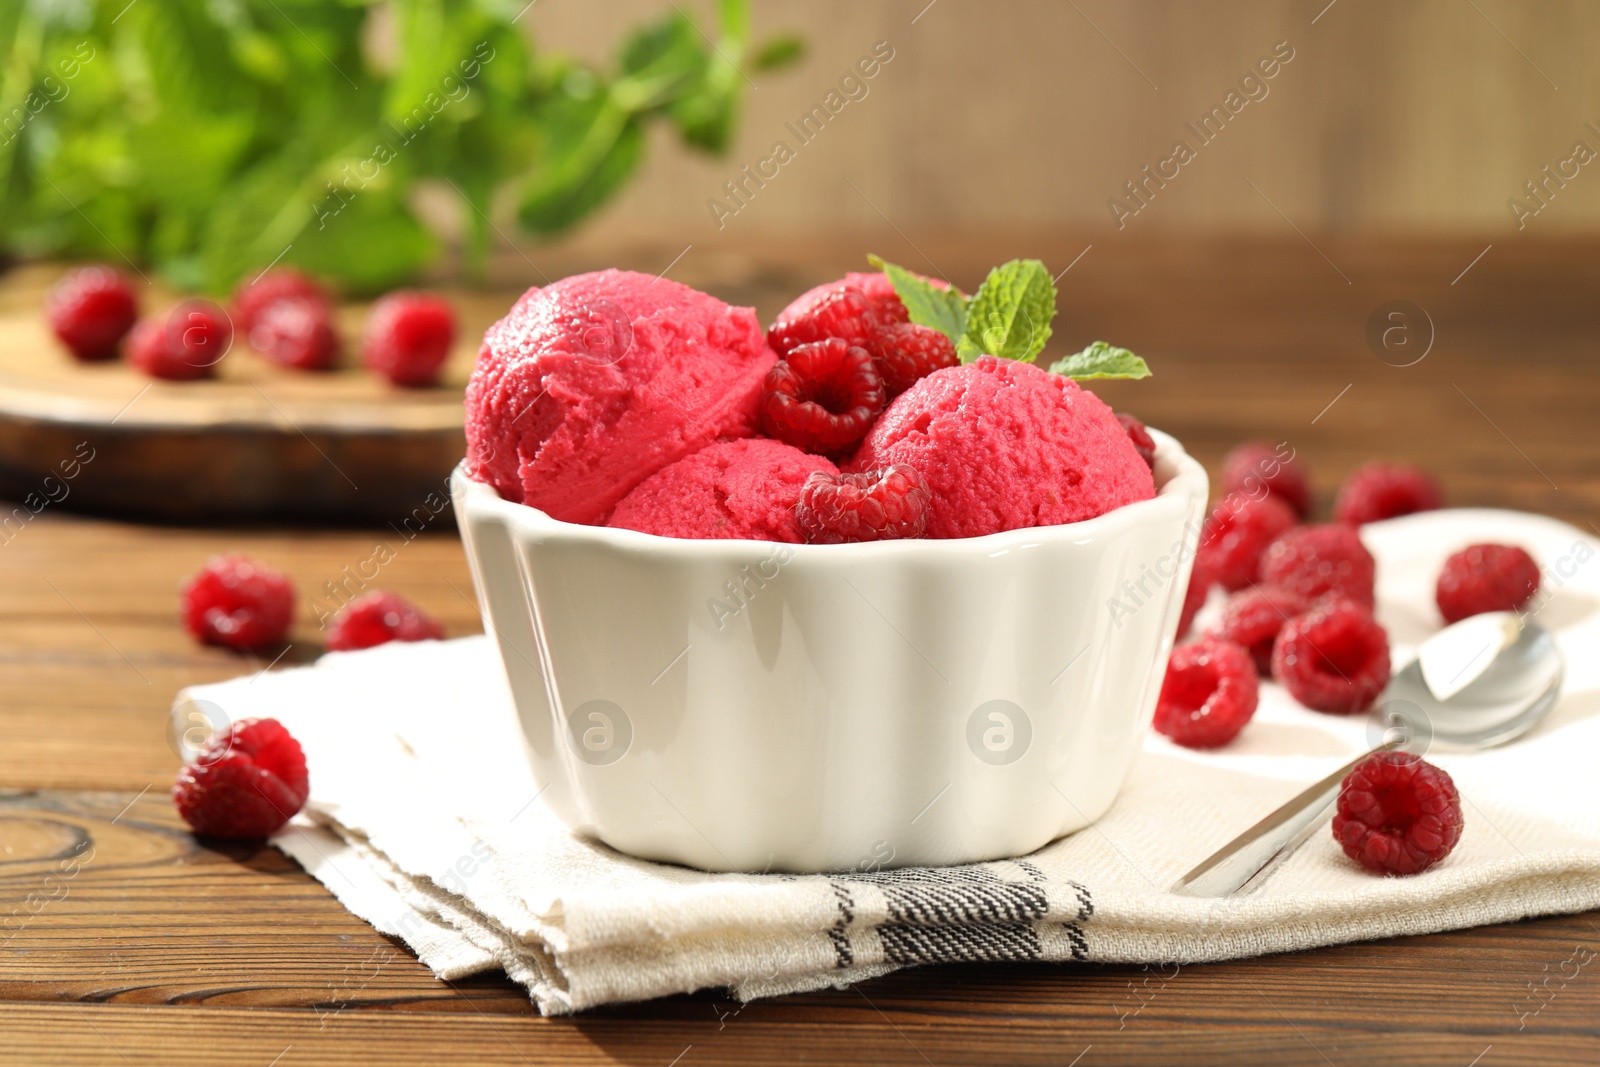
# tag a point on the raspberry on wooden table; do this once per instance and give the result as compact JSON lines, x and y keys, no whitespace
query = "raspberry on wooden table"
{"x":879,"y":505}
{"x":1334,"y":658}
{"x":905,"y":352}
{"x":237,"y":602}
{"x":279,"y":283}
{"x":184,"y":345}
{"x":1253,"y":618}
{"x":245,"y":783}
{"x":1397,"y":814}
{"x":377,"y":618}
{"x":296,"y":332}
{"x":1256,"y":465}
{"x":844,"y":313}
{"x":1143,"y":443}
{"x":822,"y":397}
{"x":408,"y":337}
{"x":91,"y":309}
{"x":1316,"y":561}
{"x":1486,"y":577}
{"x":1386,"y":491}
{"x":1236,"y":534}
{"x":1209,"y":693}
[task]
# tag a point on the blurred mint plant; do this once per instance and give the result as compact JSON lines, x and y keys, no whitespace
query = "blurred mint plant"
{"x":209,"y":138}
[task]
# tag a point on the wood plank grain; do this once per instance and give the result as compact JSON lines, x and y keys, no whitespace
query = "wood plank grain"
{"x":105,"y":899}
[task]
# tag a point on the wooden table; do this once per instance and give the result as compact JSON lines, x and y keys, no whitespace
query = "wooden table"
{"x":164,"y":951}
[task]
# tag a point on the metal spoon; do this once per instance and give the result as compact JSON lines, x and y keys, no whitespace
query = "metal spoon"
{"x":1481,"y":682}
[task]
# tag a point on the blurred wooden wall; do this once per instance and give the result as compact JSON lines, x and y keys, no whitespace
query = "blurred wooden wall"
{"x":1021,"y":115}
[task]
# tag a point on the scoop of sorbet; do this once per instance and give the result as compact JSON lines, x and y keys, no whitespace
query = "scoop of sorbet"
{"x":745,"y":489}
{"x":592,"y":384}
{"x":1004,"y":445}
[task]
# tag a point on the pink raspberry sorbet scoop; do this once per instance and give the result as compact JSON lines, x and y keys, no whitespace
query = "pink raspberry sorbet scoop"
{"x":734,"y":489}
{"x":1004,"y":445}
{"x":592,"y":384}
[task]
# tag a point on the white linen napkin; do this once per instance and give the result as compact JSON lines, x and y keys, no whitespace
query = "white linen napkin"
{"x":425,"y":821}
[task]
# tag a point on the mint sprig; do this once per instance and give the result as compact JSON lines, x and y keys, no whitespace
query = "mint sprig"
{"x":1101,"y":360}
{"x":1009,"y":316}
{"x":1010,"y":313}
{"x":943,"y":309}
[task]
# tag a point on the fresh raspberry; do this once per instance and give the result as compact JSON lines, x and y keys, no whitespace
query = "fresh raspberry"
{"x":408,"y":337}
{"x":880,"y":505}
{"x":377,"y":618}
{"x":1333,"y":658}
{"x":823,"y":397}
{"x":1208,"y":695}
{"x":1317,"y":560}
{"x":185,"y":345}
{"x":1143,"y":443}
{"x":889,"y":308}
{"x":1386,"y":491}
{"x":280,"y":283}
{"x":1483,"y":578}
{"x":844,"y":313}
{"x":1256,"y":465}
{"x":1397,"y":814}
{"x":1194,"y":597}
{"x":1236,"y":534}
{"x":1253,"y":618}
{"x":245,"y":783}
{"x":904,"y":352}
{"x":296,"y":332}
{"x":91,"y":309}
{"x":237,"y":602}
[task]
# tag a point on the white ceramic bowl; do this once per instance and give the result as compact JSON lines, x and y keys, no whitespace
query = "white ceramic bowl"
{"x":750,"y":706}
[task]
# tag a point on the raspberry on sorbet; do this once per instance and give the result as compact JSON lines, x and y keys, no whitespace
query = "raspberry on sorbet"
{"x":822,"y":397}
{"x":844,"y":313}
{"x":878,"y":505}
{"x":905,"y":352}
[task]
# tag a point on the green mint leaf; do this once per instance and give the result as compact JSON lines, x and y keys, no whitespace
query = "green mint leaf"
{"x":1010,"y":313}
{"x":1101,"y":360}
{"x":943,"y":309}
{"x":779,"y":51}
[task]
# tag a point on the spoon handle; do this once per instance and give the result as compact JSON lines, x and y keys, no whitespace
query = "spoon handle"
{"x":1244,"y":863}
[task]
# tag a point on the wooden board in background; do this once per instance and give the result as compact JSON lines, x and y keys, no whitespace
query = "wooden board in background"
{"x":258,"y":441}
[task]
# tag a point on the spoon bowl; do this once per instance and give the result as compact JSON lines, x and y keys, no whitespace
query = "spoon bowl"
{"x":1517,"y":687}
